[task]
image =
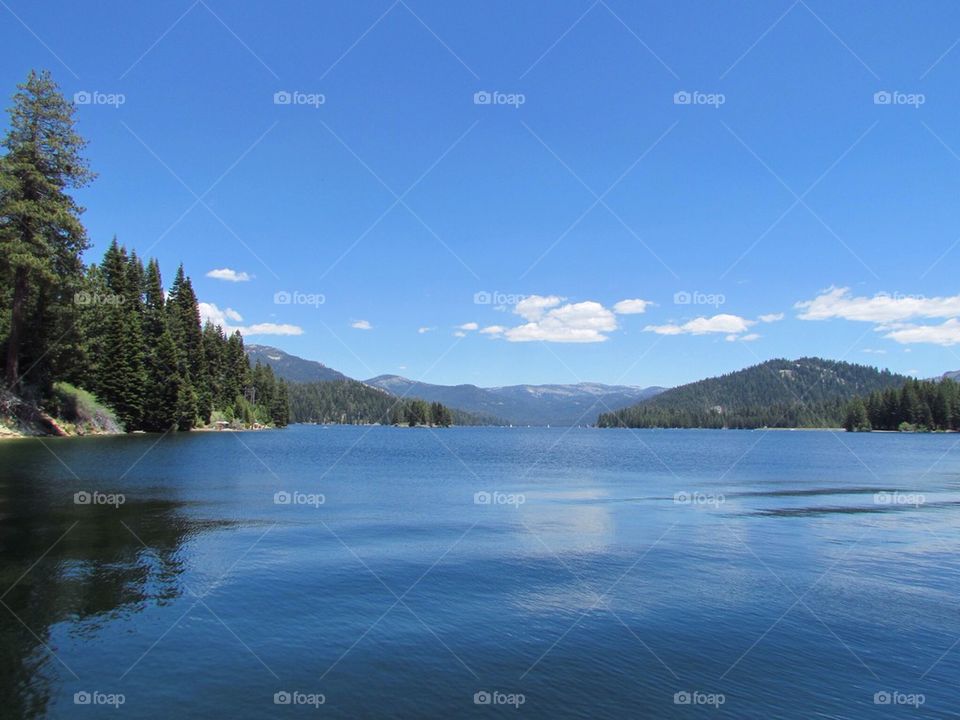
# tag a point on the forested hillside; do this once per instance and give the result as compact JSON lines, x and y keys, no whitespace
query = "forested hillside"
{"x":109,"y":329}
{"x":352,"y":402}
{"x":809,"y":392}
{"x":924,"y":405}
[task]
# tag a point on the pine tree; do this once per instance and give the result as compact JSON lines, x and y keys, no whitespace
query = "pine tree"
{"x":41,"y":236}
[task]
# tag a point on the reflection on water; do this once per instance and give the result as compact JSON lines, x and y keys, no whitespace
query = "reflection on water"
{"x":81,"y":565}
{"x":630,"y":572}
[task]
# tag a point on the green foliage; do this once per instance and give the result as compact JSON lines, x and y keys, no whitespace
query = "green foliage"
{"x":81,"y":408}
{"x":928,"y":405}
{"x":354,"y":403}
{"x":108,"y":327}
{"x":41,"y":236}
{"x":810,"y":392}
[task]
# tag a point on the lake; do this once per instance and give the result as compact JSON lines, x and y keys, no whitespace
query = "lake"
{"x":390,"y":572}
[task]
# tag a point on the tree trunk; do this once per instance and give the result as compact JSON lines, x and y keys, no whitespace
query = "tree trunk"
{"x":16,"y":324}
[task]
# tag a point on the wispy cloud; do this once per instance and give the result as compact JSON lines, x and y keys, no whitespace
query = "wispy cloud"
{"x":722,"y":323}
{"x":227,"y":318}
{"x":229,"y":275}
{"x":631,"y":307}
{"x":361,"y":325}
{"x":894,"y":315}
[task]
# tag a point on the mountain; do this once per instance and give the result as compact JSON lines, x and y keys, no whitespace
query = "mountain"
{"x":355,"y":403}
{"x":951,"y":375}
{"x":809,"y":392}
{"x":290,"y":367}
{"x":523,"y":404}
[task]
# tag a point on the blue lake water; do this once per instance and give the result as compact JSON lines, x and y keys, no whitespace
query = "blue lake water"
{"x":384,"y":572}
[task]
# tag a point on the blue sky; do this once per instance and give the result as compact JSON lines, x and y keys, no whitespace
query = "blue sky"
{"x":444,"y":169}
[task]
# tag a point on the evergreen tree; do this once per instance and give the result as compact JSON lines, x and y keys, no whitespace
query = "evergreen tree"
{"x":41,"y":236}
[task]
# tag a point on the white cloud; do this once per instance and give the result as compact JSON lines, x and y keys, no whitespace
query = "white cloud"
{"x":226,"y":317}
{"x":459,"y":333}
{"x":890,"y":314}
{"x":468,"y":326}
{"x":229,"y":275}
{"x":424,"y":329}
{"x":361,"y":325}
{"x":493,"y":330}
{"x":881,"y":308}
{"x":631,"y":307}
{"x":945,"y":334}
{"x":532,"y":307}
{"x":722,"y":323}
{"x":271,"y":329}
{"x":583,"y":322}
{"x":873,"y":351}
{"x":771,"y":317}
{"x":749,"y":337}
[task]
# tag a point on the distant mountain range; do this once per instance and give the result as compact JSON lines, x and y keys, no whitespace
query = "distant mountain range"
{"x":809,"y":392}
{"x":951,"y":375}
{"x":524,"y":404}
{"x":292,"y":368}
{"x":516,"y":404}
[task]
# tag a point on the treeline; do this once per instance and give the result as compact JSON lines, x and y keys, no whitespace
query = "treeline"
{"x":809,"y":392}
{"x":110,"y":328}
{"x":823,"y":414}
{"x":144,"y":353}
{"x":352,"y":402}
{"x":921,"y":405}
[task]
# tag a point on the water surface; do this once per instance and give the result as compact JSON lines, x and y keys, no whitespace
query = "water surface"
{"x":786,"y":574}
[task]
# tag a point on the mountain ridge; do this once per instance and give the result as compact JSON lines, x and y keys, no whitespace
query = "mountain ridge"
{"x":807,"y":392}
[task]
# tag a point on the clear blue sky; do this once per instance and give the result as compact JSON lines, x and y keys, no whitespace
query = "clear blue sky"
{"x":400,"y":197}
